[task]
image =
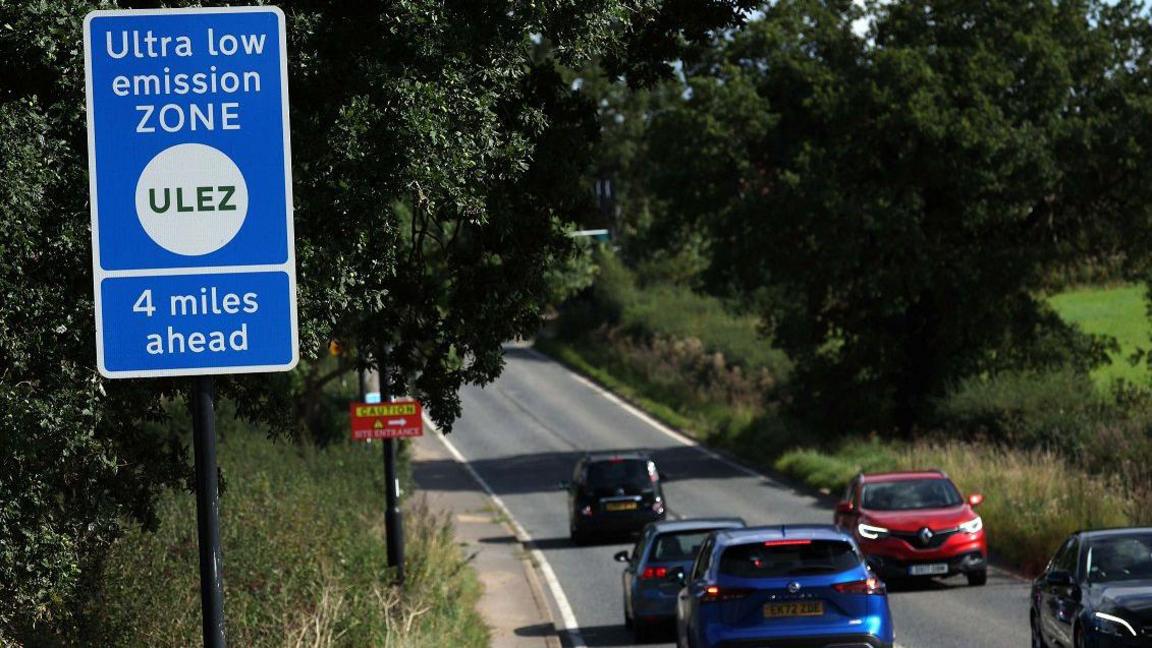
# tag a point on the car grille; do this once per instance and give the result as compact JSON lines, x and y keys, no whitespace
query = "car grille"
{"x":916,"y":539}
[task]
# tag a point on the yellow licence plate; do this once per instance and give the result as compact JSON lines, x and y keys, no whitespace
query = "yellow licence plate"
{"x":799,"y":608}
{"x":620,"y":506}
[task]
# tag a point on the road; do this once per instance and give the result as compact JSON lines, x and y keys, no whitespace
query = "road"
{"x":523,"y":433}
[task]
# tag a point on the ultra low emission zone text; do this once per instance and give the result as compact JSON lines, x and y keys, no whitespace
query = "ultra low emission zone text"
{"x":208,"y":302}
{"x":172,"y":117}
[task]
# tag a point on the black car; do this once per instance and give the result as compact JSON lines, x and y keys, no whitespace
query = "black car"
{"x":613,"y":494}
{"x":1096,"y":592}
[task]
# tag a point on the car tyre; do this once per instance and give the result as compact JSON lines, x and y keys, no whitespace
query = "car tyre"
{"x":577,"y":536}
{"x":641,"y":632}
{"x":977,"y":578}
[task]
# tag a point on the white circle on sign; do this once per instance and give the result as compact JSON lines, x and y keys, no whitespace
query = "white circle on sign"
{"x":191,"y":199}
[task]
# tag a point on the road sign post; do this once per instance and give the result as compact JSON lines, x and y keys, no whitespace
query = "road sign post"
{"x":208,"y":511}
{"x":193,"y":260}
{"x":389,"y":421}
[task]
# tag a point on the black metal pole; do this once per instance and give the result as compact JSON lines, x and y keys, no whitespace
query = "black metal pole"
{"x":392,"y":517}
{"x":208,"y":511}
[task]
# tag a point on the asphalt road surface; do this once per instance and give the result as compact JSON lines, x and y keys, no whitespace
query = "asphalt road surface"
{"x":523,"y":433}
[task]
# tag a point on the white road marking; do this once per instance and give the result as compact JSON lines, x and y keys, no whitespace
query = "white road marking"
{"x":568,"y":624}
{"x":679,"y":437}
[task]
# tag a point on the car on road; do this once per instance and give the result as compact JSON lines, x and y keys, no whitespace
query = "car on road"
{"x":914,"y":525}
{"x":612,"y":494}
{"x":801,"y":586}
{"x":649,"y":589}
{"x":1096,"y":592}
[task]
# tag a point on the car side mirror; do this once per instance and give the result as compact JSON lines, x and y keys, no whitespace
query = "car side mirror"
{"x":677,"y":575}
{"x":1058,"y":577}
{"x":621,"y":556}
{"x":975,"y":499}
{"x":844,"y":507}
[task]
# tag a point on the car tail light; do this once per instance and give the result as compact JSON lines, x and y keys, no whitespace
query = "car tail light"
{"x":786,"y":543}
{"x":713,"y":593}
{"x":587,"y":510}
{"x":870,"y":585}
{"x":654,"y":573}
{"x":658,"y":507}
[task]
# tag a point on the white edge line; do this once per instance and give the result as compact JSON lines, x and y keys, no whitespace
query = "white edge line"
{"x":569,"y":626}
{"x":678,"y":437}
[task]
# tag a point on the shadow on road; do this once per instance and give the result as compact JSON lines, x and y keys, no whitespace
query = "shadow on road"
{"x":618,"y":635}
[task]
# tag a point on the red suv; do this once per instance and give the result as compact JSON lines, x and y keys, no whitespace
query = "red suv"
{"x":915,"y":524}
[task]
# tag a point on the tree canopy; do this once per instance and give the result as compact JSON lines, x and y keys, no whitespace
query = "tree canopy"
{"x":439,"y":154}
{"x":889,"y":184}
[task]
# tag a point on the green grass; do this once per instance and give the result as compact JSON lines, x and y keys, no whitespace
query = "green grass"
{"x":304,"y":560}
{"x":1115,"y":311}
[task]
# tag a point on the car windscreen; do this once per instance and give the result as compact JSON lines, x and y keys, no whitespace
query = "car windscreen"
{"x":629,"y":474}
{"x":788,"y":558}
{"x":1119,"y":558}
{"x":678,"y":546}
{"x":910,"y":494}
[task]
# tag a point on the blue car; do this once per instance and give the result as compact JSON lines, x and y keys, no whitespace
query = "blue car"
{"x":649,"y":587}
{"x":800,"y":586}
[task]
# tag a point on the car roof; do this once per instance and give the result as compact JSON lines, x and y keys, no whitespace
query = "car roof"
{"x":1096,"y":534}
{"x":617,"y":456}
{"x":781,"y":532}
{"x":694,"y":524}
{"x":901,"y":475}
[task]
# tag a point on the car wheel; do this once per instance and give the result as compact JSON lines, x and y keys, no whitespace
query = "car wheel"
{"x":577,"y":536}
{"x":641,"y":632}
{"x":1037,"y":638}
{"x":977,"y":578}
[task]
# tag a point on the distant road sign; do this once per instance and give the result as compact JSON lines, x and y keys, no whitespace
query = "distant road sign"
{"x":386,"y":420}
{"x":193,"y":260}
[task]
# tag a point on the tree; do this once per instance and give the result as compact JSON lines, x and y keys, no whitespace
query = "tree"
{"x":893,"y":198}
{"x":437,"y":158}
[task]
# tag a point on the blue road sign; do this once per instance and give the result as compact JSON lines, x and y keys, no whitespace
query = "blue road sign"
{"x":194,"y":268}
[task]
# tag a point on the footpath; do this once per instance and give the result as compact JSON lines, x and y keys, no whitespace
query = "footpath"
{"x":513,"y":603}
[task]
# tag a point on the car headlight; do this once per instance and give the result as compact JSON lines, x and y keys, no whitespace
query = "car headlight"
{"x":871,"y":532}
{"x":972,"y":526}
{"x":1114,"y":625}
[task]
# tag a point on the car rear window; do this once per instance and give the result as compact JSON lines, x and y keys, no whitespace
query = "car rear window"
{"x":619,"y":472}
{"x":680,"y":546}
{"x":788,"y":558}
{"x":910,"y":494}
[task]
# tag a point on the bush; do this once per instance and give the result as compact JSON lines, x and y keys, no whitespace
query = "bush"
{"x":663,"y":310}
{"x":1028,"y":409}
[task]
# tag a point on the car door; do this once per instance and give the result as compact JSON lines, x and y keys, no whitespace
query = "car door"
{"x":1058,"y":607}
{"x":634,"y":564}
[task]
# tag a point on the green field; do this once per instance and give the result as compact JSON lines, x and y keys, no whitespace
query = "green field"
{"x":1118,"y":312}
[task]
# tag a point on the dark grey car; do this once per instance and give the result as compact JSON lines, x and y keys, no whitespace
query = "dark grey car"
{"x":649,"y":588}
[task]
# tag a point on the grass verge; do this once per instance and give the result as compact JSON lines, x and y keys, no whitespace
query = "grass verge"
{"x":304,"y":560}
{"x":1033,"y":500}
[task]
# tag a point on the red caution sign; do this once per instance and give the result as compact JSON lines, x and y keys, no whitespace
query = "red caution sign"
{"x":386,"y":420}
